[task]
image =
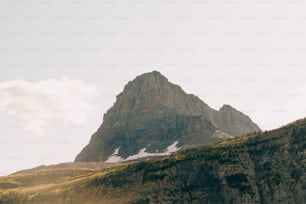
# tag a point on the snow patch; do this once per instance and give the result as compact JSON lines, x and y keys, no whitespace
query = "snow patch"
{"x":114,"y":158}
{"x":142,"y":153}
{"x":173,"y":148}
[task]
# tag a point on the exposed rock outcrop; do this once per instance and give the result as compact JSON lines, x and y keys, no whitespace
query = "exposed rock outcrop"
{"x":153,"y":113}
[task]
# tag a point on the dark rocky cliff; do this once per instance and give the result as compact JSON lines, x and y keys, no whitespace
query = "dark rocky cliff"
{"x":153,"y":113}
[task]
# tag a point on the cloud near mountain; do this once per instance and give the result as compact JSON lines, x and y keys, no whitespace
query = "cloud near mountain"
{"x":35,"y":103}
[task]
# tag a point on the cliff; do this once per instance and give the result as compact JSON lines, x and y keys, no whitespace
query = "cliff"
{"x":152,"y":113}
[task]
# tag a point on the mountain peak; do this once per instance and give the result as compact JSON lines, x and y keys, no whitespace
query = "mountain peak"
{"x":152,"y":90}
{"x":154,"y":73}
{"x":226,"y":107}
{"x":151,"y":75}
{"x":150,"y":80}
{"x":151,"y":114}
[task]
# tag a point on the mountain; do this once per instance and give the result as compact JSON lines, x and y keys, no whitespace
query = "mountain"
{"x":152,"y":114}
{"x":262,"y":167}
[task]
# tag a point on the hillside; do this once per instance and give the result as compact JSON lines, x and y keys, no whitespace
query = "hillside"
{"x":152,"y":114}
{"x":264,"y":167}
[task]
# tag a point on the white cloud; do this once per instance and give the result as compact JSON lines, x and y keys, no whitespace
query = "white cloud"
{"x":37,"y":102}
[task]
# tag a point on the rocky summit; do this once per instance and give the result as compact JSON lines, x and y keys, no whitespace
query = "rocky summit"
{"x":152,"y":116}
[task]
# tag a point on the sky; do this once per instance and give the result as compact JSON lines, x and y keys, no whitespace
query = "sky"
{"x":62,"y":63}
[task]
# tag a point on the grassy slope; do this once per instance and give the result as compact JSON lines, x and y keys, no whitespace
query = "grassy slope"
{"x":259,"y":168}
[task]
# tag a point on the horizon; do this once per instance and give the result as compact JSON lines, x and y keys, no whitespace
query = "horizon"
{"x":61,"y":71}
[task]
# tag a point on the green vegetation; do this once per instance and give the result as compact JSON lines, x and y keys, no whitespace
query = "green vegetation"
{"x":260,"y":167}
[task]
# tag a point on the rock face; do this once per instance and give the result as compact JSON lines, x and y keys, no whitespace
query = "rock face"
{"x":153,"y":113}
